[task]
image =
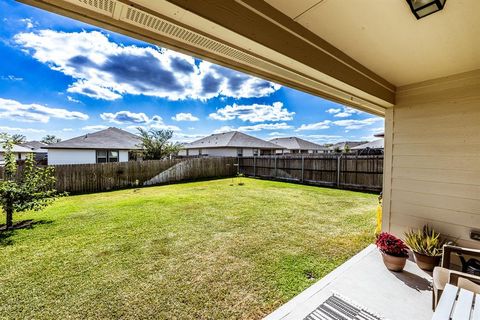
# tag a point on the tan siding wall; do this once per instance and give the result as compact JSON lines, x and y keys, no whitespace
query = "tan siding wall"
{"x":435,"y":158}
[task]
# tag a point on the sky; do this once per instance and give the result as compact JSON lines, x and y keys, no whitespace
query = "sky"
{"x":65,"y":78}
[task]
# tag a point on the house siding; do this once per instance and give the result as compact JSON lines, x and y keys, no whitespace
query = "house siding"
{"x":70,"y":156}
{"x":432,"y":165}
{"x":78,"y":156}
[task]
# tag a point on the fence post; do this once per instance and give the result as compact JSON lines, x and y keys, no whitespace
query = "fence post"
{"x":275,"y":161}
{"x":303,"y":166}
{"x":254,"y":165}
{"x":338,"y":170}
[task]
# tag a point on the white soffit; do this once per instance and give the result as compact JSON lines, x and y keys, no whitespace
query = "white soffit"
{"x":385,"y":37}
{"x":281,"y":65}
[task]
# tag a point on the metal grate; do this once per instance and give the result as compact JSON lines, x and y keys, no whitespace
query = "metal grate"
{"x":336,"y":308}
{"x":104,"y":6}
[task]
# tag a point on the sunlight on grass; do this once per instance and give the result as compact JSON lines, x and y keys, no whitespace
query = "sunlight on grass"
{"x":204,"y":250}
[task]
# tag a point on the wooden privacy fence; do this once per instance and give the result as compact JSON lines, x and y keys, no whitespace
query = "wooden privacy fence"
{"x":341,"y":171}
{"x":89,"y":178}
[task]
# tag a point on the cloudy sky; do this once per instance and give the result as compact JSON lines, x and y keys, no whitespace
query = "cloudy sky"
{"x":62,"y":77}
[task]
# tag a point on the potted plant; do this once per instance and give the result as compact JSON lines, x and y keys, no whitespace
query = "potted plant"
{"x":394,"y":251}
{"x":427,"y":246}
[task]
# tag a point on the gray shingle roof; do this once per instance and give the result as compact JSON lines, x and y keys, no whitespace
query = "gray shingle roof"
{"x":376,"y":144}
{"x":351,"y":144}
{"x":111,"y":138}
{"x":294,"y":143}
{"x":16,"y":148}
{"x":233,"y":139}
{"x":34,"y":145}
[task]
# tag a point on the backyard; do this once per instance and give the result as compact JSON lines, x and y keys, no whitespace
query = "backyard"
{"x":201,"y":250}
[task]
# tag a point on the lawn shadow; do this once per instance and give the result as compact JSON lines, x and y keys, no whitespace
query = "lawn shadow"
{"x":413,"y":281}
{"x":6,"y":235}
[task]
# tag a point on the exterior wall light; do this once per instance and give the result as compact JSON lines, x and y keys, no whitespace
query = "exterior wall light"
{"x":423,"y":8}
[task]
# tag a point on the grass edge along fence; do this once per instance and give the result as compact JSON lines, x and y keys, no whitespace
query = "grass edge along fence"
{"x":98,"y":177}
{"x":352,"y":172}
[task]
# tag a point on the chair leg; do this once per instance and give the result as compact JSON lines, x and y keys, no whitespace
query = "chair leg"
{"x":433,"y":300}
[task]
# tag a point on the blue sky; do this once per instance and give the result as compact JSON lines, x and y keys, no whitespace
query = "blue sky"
{"x":63,"y":77}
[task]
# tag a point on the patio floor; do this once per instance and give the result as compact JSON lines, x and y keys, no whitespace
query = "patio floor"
{"x":365,"y":282}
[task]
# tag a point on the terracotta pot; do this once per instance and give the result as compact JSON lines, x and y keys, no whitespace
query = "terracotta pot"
{"x":394,"y":263}
{"x":426,"y":263}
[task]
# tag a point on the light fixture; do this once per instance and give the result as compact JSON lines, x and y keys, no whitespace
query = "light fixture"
{"x":422,"y":8}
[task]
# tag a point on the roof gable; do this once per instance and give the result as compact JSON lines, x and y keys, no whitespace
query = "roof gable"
{"x":232,"y":139}
{"x":295,"y":143}
{"x":111,"y":138}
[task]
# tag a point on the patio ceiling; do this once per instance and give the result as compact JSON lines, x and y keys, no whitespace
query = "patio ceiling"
{"x":324,"y":47}
{"x":385,"y":37}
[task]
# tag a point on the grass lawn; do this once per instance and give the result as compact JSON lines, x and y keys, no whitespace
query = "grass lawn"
{"x":203,"y":250}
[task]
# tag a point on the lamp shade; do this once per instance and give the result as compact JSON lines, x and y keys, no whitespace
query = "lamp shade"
{"x":423,"y":8}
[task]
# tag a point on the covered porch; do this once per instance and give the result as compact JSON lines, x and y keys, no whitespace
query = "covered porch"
{"x":363,"y":282}
{"x":422,"y":76}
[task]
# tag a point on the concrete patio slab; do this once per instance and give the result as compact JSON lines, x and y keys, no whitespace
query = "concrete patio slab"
{"x":366,"y":282}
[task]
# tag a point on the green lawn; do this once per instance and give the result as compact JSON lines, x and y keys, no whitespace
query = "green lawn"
{"x":203,"y":250}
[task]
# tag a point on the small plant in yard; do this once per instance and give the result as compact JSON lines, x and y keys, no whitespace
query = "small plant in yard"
{"x":394,"y":251}
{"x":427,"y":246}
{"x":31,"y":189}
{"x":240,"y":178}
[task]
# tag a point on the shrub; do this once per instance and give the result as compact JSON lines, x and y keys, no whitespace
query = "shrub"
{"x":389,"y":244}
{"x":426,"y":241}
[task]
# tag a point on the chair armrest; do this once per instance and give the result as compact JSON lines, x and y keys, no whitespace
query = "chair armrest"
{"x":449,"y":249}
{"x":454,"y":275}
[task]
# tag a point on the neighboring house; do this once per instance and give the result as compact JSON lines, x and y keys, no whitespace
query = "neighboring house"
{"x":341,"y":146}
{"x":372,"y":147}
{"x":229,"y":144}
{"x":19,"y":151}
{"x":38,"y":148}
{"x":297,"y":145}
{"x":109,"y":145}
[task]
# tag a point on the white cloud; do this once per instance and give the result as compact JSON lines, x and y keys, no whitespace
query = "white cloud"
{"x":254,"y":112}
{"x":182,"y":116}
{"x":139,"y":119}
{"x":67,"y":129}
{"x":14,"y":110}
{"x":28,"y":23}
{"x":256,"y":127}
{"x":333,"y":110}
{"x":106,"y":70}
{"x":128,"y":117}
{"x":14,"y":129}
{"x":94,"y":128}
{"x":11,"y":78}
{"x":343,"y":113}
{"x":73,"y":100}
{"x":315,"y":126}
{"x":356,"y":124}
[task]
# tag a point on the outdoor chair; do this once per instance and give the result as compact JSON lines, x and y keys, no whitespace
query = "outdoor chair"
{"x":468,"y":278}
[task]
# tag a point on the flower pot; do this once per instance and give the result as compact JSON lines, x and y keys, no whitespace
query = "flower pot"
{"x":394,"y":263}
{"x":426,"y":263}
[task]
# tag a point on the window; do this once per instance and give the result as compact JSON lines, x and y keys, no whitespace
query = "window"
{"x":199,"y":152}
{"x":104,"y":156}
{"x":112,"y":155}
{"x":239,"y":152}
{"x":255,"y":152}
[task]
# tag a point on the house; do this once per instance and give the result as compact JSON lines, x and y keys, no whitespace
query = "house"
{"x":372,"y":147}
{"x":109,"y":145}
{"x":19,"y":152}
{"x":230,"y":144}
{"x":297,"y":145}
{"x":344,"y":146}
{"x":38,"y":148}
